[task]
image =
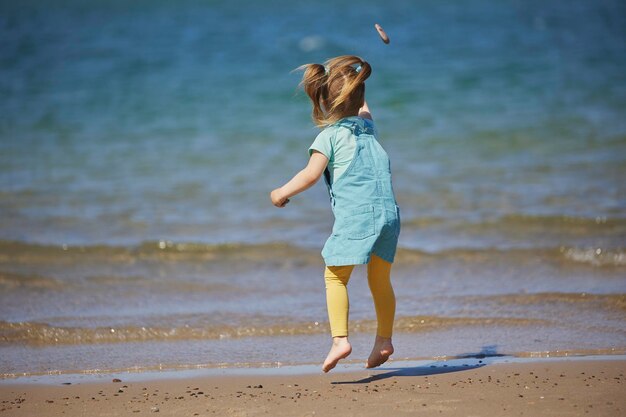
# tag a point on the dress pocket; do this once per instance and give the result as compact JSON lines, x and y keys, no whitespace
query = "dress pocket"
{"x":356,"y":224}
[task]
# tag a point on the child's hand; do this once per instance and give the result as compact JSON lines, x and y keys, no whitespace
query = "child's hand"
{"x":277,"y":199}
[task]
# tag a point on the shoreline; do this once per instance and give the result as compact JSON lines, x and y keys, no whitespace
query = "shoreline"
{"x":493,"y":385}
{"x":162,"y":371}
{"x":280,"y":369}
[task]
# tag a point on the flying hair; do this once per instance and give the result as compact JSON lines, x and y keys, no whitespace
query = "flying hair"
{"x":336,"y":89}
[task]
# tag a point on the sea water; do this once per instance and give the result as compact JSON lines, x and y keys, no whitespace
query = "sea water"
{"x":139,"y":143}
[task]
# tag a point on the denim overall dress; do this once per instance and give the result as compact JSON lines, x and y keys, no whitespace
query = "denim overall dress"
{"x":367,"y":217}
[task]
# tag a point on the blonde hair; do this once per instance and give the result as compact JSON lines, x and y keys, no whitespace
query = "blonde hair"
{"x":336,"y":89}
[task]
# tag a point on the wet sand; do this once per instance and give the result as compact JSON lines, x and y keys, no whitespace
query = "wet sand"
{"x":540,"y":388}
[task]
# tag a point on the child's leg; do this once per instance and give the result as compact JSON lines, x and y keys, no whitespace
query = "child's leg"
{"x":337,"y":302}
{"x":379,"y":279}
{"x":336,"y":278}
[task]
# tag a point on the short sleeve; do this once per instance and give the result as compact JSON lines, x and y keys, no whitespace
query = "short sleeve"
{"x":323,"y":144}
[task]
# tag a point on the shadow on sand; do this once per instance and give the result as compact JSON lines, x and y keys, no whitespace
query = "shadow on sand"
{"x":453,"y":364}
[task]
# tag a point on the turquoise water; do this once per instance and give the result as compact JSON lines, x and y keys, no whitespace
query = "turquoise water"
{"x":139,"y":143}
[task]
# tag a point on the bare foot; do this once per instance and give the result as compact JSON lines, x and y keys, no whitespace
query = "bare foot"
{"x":341,"y":349}
{"x":380,"y":353}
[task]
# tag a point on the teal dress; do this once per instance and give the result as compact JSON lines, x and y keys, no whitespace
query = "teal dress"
{"x":367,"y":217}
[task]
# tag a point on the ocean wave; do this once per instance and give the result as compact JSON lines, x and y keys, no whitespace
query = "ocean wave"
{"x":13,"y":281}
{"x":570,"y":224}
{"x":164,"y":251}
{"x":10,"y":280}
{"x":595,"y":256}
{"x":42,"y":334}
{"x":614,"y":302}
{"x":281,"y":254}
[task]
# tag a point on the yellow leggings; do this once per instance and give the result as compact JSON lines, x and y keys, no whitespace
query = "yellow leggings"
{"x":379,"y":279}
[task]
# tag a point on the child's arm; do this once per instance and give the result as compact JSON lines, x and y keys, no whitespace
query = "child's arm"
{"x":364,"y":111}
{"x":301,"y":181}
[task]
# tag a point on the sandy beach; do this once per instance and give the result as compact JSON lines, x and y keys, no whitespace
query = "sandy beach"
{"x":588,"y":387}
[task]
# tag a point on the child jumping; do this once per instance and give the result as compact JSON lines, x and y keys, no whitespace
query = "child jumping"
{"x":357,"y":173}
